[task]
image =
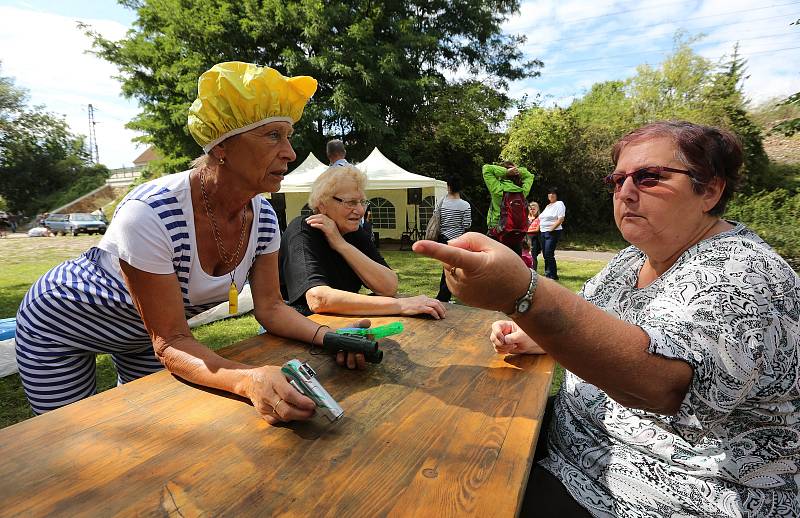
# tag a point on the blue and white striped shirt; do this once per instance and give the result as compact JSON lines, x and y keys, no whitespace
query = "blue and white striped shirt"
{"x":84,"y":302}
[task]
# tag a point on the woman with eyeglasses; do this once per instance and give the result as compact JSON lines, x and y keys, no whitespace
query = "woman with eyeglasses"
{"x":327,"y":257}
{"x":682,"y":387}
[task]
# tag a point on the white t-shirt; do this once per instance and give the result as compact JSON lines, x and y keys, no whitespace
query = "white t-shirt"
{"x":551,"y":214}
{"x":145,"y":237}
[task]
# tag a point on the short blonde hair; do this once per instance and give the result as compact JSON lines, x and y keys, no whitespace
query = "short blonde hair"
{"x":201,"y":162}
{"x":327,"y":183}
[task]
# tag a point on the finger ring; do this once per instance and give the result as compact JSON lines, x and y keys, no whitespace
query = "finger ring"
{"x":452,"y":270}
{"x":275,"y":406}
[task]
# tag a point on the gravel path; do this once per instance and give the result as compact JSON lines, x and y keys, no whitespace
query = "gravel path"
{"x":585,"y":255}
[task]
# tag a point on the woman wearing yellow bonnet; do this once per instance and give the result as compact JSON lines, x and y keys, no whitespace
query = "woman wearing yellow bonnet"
{"x":177,"y":246}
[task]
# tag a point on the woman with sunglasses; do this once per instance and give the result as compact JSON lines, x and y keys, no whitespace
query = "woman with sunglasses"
{"x":327,"y":257}
{"x":682,"y":387}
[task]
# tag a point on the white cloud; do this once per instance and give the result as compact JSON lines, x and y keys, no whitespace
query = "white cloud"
{"x":46,"y":54}
{"x":582,"y":42}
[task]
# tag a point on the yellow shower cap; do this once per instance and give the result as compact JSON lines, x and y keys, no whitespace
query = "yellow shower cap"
{"x":235,"y":97}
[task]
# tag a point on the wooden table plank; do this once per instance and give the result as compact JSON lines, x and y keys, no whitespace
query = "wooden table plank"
{"x":444,"y":427}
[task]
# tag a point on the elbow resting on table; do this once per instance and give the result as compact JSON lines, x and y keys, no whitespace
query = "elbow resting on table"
{"x":666,"y":402}
{"x":162,"y":344}
{"x":319,"y":299}
{"x":390,"y":290}
{"x":165,"y":349}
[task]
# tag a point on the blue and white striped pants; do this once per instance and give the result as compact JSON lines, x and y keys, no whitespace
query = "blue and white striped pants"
{"x":72,"y":313}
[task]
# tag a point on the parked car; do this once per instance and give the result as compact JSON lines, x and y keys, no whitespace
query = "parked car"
{"x":75,"y":223}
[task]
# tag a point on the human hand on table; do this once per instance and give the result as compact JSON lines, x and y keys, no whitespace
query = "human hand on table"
{"x":480,"y":271}
{"x":353,"y":360}
{"x":508,"y":338}
{"x":421,"y":305}
{"x":274,"y":398}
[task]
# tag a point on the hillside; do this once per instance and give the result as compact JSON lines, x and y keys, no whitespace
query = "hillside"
{"x":785,"y":150}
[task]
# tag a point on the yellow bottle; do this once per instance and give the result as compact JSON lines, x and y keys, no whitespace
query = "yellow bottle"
{"x":233,"y":299}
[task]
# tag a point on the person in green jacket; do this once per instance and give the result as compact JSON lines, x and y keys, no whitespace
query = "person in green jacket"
{"x":505,"y":178}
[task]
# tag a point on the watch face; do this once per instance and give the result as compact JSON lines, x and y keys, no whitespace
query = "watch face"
{"x":523,"y":306}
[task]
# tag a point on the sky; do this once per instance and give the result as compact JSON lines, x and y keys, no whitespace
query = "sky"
{"x":580,"y":41}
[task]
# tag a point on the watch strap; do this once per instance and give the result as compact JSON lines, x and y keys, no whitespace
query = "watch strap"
{"x":519,"y":306}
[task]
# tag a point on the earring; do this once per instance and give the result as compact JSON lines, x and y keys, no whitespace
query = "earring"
{"x":221,"y":161}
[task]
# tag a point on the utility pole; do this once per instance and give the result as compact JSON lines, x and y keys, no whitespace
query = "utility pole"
{"x":94,"y":153}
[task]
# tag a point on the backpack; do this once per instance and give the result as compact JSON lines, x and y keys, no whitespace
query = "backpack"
{"x":513,"y":223}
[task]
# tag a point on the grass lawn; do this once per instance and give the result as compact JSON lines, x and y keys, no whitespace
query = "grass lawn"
{"x":23,"y":260}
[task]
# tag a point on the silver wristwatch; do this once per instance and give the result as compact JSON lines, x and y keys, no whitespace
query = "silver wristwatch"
{"x":524,"y":303}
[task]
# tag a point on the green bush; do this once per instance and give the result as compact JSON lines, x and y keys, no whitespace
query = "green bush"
{"x":83,"y":185}
{"x":775,"y":216}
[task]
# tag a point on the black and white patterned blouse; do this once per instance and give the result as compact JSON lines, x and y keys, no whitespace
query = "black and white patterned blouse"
{"x":730,"y":307}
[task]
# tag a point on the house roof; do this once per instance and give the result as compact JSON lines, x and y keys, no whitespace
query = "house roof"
{"x":148,"y":155}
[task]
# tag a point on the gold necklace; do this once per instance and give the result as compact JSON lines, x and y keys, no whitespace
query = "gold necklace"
{"x":223,"y":254}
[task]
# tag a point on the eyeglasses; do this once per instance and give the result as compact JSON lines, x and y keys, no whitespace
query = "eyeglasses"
{"x":352,"y":204}
{"x":643,"y":178}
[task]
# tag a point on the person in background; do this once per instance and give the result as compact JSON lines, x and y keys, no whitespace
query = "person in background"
{"x":179,"y":245}
{"x":534,"y":236}
{"x":5,"y":225}
{"x":336,"y":153}
{"x":327,"y":257}
{"x":526,"y":253}
{"x":366,"y":224}
{"x":455,"y":219}
{"x":500,"y":179}
{"x":550,"y":221}
{"x":681,"y":394}
{"x":99,"y":214}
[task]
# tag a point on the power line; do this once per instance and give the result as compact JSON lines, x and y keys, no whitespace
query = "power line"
{"x":635,"y":36}
{"x":701,"y":17}
{"x":669,"y":49}
{"x":627,"y":11}
{"x":566,"y":72}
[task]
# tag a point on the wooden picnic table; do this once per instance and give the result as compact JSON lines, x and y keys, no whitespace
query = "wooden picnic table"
{"x":442,"y":427}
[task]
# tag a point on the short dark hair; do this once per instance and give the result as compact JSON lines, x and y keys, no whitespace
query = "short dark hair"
{"x":708,"y":152}
{"x":335,"y":147}
{"x":454,"y":183}
{"x":552,"y":190}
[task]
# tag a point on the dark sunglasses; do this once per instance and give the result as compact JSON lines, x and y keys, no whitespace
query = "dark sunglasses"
{"x":643,"y":178}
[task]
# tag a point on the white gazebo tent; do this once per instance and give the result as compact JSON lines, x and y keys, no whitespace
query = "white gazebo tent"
{"x":387,"y":189}
{"x":303,"y":176}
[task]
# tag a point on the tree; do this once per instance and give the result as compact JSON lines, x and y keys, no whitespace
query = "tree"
{"x":38,"y":154}
{"x":674,"y":90}
{"x":454,"y":134}
{"x":791,"y":126}
{"x":727,"y":105}
{"x":12,"y":99}
{"x":551,"y":141}
{"x":572,"y":148}
{"x":376,"y":62}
